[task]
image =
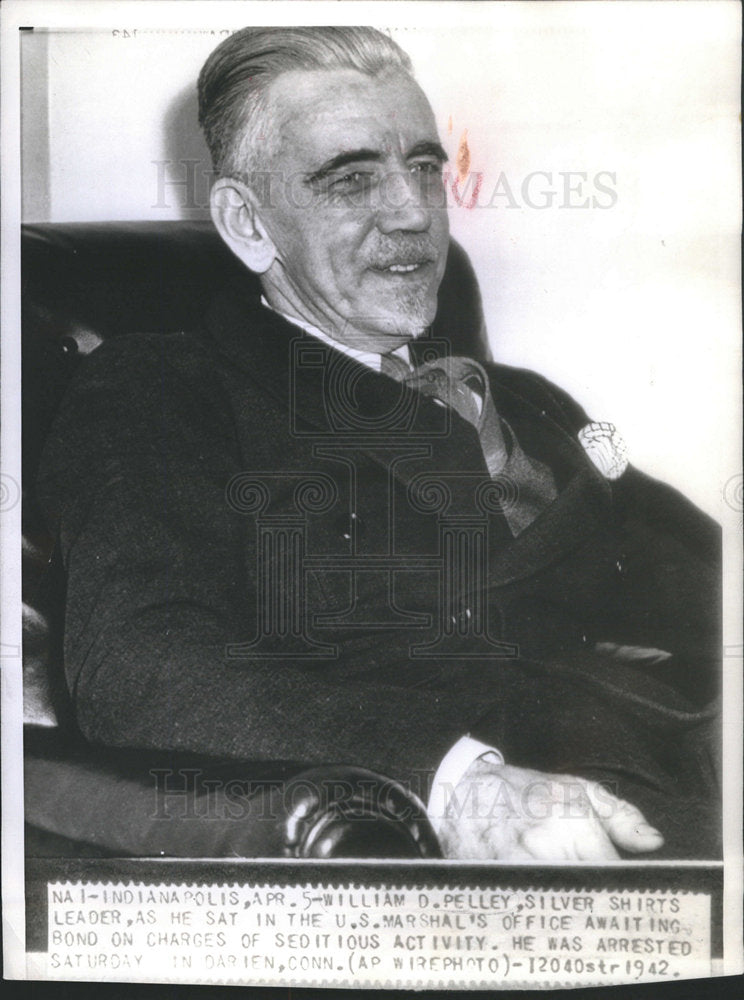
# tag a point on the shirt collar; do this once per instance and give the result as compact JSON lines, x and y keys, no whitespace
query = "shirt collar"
{"x":367,"y":358}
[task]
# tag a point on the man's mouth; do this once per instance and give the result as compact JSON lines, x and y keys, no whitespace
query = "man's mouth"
{"x":401,"y":268}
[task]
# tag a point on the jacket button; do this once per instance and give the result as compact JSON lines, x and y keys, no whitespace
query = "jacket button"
{"x":351,"y":526}
{"x":462,"y":618}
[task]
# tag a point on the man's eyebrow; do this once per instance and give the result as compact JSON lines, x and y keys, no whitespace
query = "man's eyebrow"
{"x":342,"y":160}
{"x":434,"y":149}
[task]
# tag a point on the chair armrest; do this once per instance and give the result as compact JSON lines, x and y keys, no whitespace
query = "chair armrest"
{"x":139,"y":804}
{"x":350,"y":812}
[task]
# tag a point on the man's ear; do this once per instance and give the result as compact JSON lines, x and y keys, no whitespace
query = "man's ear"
{"x":235,"y":214}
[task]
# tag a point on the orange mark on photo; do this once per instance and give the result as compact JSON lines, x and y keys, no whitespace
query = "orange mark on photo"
{"x":463,"y":157}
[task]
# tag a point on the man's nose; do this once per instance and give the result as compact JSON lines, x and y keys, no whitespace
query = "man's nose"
{"x":402,"y":204}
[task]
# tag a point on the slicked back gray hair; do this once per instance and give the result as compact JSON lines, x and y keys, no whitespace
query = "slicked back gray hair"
{"x":235,"y":78}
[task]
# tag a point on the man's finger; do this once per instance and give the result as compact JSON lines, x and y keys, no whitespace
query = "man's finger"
{"x":565,"y":841}
{"x":542,"y":844}
{"x":593,"y":843}
{"x":627,"y":827}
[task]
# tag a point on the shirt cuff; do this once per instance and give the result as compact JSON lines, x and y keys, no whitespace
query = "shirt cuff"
{"x":453,"y":766}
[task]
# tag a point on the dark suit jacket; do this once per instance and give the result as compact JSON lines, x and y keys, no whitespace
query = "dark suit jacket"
{"x":190,"y":475}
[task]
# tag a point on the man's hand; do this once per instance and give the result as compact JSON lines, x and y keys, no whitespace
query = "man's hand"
{"x":515,"y":814}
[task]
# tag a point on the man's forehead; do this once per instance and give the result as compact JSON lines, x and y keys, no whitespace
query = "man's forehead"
{"x":326,"y":110}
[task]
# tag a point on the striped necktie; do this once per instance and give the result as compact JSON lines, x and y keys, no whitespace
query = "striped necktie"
{"x":462,"y":384}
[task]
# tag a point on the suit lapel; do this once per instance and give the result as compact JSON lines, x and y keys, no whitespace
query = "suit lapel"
{"x":584,"y":502}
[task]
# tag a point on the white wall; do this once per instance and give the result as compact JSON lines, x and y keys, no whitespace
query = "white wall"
{"x":629,"y":302}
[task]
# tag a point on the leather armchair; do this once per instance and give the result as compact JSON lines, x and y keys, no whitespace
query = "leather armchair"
{"x":82,"y":283}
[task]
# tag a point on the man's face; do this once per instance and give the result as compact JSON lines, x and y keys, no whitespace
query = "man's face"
{"x":357,"y":211}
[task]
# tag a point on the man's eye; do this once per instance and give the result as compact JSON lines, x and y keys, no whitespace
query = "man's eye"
{"x":427,"y":168}
{"x":354,"y":181}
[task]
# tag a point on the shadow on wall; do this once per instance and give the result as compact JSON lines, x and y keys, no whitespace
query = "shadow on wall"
{"x":184,"y":175}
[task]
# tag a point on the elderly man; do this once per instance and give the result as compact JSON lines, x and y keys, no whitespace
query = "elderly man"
{"x":306,"y":530}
